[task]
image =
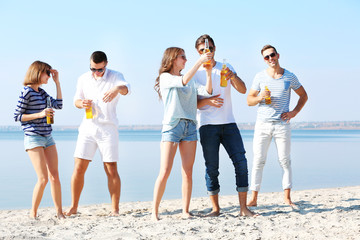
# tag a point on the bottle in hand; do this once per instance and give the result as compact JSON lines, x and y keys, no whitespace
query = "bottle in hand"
{"x":89,"y":113}
{"x":267,"y":99}
{"x":49,"y":118}
{"x":223,"y":81}
{"x":206,"y":50}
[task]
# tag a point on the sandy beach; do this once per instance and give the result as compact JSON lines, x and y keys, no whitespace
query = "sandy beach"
{"x":323,"y":214}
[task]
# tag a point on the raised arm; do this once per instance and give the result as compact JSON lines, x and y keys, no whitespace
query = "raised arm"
{"x":190,"y":74}
{"x":55,"y":76}
{"x":208,"y":85}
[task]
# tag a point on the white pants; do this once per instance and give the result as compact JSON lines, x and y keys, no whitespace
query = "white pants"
{"x":264,"y":132}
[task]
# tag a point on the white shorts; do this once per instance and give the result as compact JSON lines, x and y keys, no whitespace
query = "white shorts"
{"x":105,"y":138}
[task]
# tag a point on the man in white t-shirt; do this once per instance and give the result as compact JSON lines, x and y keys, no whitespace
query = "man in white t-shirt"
{"x":99,"y":91}
{"x":271,"y":90}
{"x":217,"y":126}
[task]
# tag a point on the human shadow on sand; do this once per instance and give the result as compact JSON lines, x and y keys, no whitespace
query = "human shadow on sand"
{"x":303,"y":208}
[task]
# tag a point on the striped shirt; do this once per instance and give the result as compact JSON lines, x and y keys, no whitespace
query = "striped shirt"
{"x":280,"y":94}
{"x":31,"y":101}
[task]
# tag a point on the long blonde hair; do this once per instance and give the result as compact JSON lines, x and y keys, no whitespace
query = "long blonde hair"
{"x":167,"y":63}
{"x":34,"y":72}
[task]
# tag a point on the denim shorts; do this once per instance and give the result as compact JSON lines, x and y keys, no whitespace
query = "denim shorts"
{"x":34,"y":141}
{"x":185,"y":130}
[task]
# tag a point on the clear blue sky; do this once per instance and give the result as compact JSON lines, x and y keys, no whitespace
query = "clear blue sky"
{"x":317,"y":40}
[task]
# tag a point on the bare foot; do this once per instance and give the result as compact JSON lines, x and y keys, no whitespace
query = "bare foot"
{"x":60,"y":216}
{"x":33,"y":215}
{"x":187,"y":215}
{"x":252,"y":203}
{"x":155,"y":217}
{"x":247,"y":213}
{"x":72,"y":211}
{"x":213,"y":214}
{"x":289,"y":202}
{"x":292,"y":205}
{"x":114,"y":214}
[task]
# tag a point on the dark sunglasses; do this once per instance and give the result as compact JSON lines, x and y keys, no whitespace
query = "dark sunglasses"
{"x":48,"y":72}
{"x":100,"y":70}
{"x":270,"y":55}
{"x":203,"y":49}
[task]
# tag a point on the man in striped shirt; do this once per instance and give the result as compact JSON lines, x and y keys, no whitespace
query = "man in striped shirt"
{"x":273,"y":119}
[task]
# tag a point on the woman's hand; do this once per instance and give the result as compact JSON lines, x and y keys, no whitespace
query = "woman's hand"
{"x":55,"y":75}
{"x":46,"y":112}
{"x":206,"y":57}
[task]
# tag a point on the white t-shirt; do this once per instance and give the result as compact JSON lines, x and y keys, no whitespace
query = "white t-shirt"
{"x":90,"y":88}
{"x":209,"y":114}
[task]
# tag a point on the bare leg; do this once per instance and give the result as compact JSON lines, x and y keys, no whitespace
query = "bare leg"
{"x":77,"y":184}
{"x":244,"y":211}
{"x":215,"y":206}
{"x":53,"y":172}
{"x":253,"y":200}
{"x":38,"y":159}
{"x":287,"y":198}
{"x":168,"y":150}
{"x":187,"y":151}
{"x":114,"y":185}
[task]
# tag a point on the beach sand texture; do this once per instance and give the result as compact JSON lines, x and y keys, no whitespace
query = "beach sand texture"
{"x":323,"y":214}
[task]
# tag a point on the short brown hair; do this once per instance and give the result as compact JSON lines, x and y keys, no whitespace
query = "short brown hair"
{"x":34,"y":72}
{"x":98,"y":57}
{"x":266,"y":47}
{"x":201,"y":40}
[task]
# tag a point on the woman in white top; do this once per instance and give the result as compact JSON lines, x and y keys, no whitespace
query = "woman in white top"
{"x":179,"y":94}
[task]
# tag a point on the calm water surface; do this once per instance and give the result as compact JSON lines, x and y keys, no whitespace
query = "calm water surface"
{"x":320,"y":158}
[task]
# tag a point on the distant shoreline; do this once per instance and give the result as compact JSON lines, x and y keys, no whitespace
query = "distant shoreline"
{"x":335,"y":125}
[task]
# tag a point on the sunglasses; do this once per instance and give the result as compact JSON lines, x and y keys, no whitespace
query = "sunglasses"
{"x":100,"y":70}
{"x":48,"y":72}
{"x":203,"y":49}
{"x":183,"y":57}
{"x":267,"y":57}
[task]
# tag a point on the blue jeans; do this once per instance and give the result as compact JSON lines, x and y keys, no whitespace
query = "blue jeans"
{"x":211,"y":136}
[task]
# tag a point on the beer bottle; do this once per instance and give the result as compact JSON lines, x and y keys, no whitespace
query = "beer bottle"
{"x":206,"y":50}
{"x":267,"y":99}
{"x":89,"y":113}
{"x":223,"y":81}
{"x":49,"y":118}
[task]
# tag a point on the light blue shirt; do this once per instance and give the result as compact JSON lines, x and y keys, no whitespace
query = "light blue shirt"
{"x":179,"y":101}
{"x":280,"y":94}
